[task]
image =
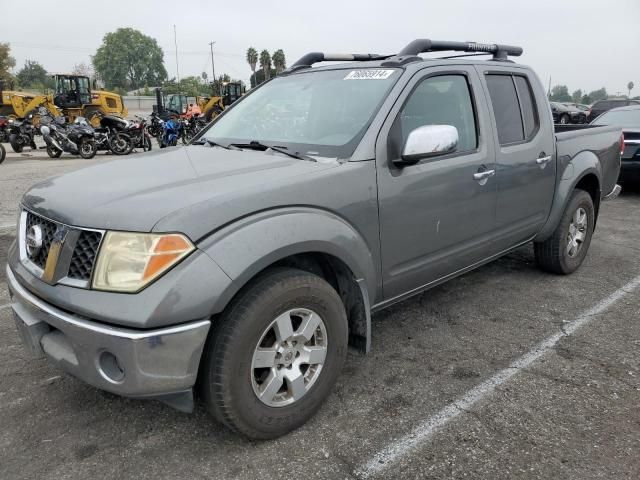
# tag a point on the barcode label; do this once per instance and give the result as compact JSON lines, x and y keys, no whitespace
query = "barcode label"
{"x":376,"y":74}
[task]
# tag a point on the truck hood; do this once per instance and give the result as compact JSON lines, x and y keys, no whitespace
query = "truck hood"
{"x":135,"y":193}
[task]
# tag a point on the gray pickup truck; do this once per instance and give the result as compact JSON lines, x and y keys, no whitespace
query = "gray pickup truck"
{"x":242,"y":266}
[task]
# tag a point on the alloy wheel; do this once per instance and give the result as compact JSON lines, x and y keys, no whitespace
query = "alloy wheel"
{"x":577,"y":232}
{"x":289,"y":357}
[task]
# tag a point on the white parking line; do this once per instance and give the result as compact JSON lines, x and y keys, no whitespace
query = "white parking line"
{"x":7,"y":227}
{"x":424,"y":431}
{"x":2,"y":307}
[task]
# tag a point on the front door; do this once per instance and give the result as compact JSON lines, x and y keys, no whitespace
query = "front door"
{"x":436,"y":217}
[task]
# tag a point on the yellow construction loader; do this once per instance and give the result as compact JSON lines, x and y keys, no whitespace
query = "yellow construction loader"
{"x":72,"y":98}
{"x":209,"y":106}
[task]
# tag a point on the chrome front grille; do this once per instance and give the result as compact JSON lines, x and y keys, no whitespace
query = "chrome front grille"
{"x":48,"y":229}
{"x":84,"y":255}
{"x":58,"y":253}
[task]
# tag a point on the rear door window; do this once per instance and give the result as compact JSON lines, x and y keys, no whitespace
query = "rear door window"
{"x":528,"y":106}
{"x":506,"y":109}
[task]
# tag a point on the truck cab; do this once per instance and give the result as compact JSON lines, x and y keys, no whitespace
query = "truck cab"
{"x":71,"y":91}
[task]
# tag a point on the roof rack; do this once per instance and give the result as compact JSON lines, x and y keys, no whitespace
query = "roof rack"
{"x":410,"y":53}
{"x":310,"y":59}
{"x":424,"y":45}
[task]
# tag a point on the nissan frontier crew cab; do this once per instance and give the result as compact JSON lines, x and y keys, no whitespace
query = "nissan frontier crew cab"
{"x":242,"y":266}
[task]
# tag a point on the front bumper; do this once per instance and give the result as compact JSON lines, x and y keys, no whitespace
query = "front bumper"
{"x":159,"y":363}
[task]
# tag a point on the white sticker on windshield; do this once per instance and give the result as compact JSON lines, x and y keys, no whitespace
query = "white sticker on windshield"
{"x":376,"y":74}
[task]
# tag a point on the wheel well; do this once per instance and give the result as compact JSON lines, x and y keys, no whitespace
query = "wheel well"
{"x":342,"y":279}
{"x":590,"y":184}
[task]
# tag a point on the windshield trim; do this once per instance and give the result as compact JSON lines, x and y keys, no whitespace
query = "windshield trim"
{"x":343,"y":151}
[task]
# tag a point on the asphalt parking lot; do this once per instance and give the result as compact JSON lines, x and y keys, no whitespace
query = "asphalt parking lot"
{"x":506,"y":372}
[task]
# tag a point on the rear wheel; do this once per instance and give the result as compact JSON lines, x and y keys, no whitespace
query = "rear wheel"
{"x":564,"y":119}
{"x":275,"y":354}
{"x":566,"y":249}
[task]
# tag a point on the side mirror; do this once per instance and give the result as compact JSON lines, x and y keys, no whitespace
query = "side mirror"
{"x":428,"y":141}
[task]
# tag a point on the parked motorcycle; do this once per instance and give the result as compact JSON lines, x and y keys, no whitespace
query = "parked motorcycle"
{"x":21,"y":133}
{"x":112,"y":135}
{"x":154,"y":126}
{"x":4,"y":137}
{"x":4,"y":129}
{"x":77,"y":139}
{"x":190,"y":127}
{"x":171,"y":132}
{"x":137,"y":130}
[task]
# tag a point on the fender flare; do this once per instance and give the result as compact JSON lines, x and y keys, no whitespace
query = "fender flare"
{"x":583,"y":164}
{"x":247,"y":246}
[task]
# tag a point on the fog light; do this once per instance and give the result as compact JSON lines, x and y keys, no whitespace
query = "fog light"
{"x":110,"y":368}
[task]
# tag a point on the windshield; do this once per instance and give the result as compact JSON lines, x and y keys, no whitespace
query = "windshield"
{"x":323,"y":113}
{"x":620,"y":118}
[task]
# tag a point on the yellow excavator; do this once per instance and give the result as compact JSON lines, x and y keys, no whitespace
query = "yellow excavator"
{"x":72,"y":97}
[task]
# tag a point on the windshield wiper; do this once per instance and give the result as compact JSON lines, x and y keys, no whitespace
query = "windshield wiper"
{"x":255,"y":145}
{"x":215,"y":144}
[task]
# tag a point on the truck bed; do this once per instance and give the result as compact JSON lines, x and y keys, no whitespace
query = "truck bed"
{"x":602,"y":141}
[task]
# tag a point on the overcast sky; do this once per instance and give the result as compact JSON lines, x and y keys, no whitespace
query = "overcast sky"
{"x":584,"y":44}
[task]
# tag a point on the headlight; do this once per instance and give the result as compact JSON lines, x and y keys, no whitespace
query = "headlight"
{"x":129,"y":261}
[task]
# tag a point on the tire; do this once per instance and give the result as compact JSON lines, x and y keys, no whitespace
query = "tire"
{"x":229,"y":381}
{"x":53,"y":152}
{"x":3,"y":153}
{"x":87,"y":148}
{"x":556,"y":255}
{"x":565,"y":119}
{"x":121,"y":144}
{"x":15,"y":144}
{"x":147,"y":146}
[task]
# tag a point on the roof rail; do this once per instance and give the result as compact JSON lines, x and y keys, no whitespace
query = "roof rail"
{"x":500,"y":52}
{"x":315,"y":57}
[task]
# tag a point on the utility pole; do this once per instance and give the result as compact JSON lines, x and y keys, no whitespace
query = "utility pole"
{"x":175,"y":41}
{"x":213,"y":66}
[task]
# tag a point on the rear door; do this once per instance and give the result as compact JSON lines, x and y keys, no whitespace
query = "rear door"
{"x":435,"y":217}
{"x":525,"y":154}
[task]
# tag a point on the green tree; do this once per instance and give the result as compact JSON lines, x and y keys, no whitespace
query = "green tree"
{"x":128,"y":59}
{"x":259,"y":77}
{"x":630,"y":86}
{"x":600,"y":94}
{"x":32,"y":75}
{"x":279,"y":61}
{"x":576,"y":96}
{"x":7,"y":62}
{"x":586,"y":99}
{"x":560,"y":93}
{"x":252,"y":60}
{"x":265,"y":63}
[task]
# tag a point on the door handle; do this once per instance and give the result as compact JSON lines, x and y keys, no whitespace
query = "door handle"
{"x":543,"y":160}
{"x":484,"y":174}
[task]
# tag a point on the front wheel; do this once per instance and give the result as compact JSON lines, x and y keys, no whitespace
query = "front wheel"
{"x":15,"y":143}
{"x":564,"y":119}
{"x":566,"y":249}
{"x":53,"y":152}
{"x":275,"y":354}
{"x":120,"y":144}
{"x":3,"y":153}
{"x":87,"y":148}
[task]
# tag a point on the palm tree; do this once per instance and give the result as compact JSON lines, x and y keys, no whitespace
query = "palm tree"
{"x":630,"y":85}
{"x":265,"y":63}
{"x":279,"y":61}
{"x":252,"y":59}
